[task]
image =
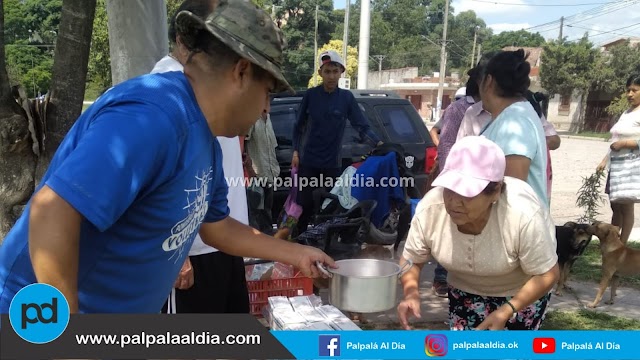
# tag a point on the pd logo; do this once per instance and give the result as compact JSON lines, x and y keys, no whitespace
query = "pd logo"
{"x":39,"y":313}
{"x":436,"y":345}
{"x":544,"y":345}
{"x":329,"y":345}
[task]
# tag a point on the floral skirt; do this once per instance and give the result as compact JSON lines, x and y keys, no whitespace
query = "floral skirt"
{"x":466,"y":311}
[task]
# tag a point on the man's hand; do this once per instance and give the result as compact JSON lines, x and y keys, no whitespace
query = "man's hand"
{"x":307,"y":258}
{"x":497,"y":320}
{"x":295,"y":160}
{"x":406,"y":308}
{"x":234,"y":238}
{"x":185,"y":277}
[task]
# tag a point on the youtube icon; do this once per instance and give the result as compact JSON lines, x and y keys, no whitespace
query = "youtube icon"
{"x":544,"y":345}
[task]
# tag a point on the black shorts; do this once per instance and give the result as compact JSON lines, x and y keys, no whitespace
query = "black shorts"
{"x":219,"y":286}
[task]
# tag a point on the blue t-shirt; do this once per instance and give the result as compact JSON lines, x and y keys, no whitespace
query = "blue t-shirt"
{"x":518,"y":131}
{"x":143,"y":168}
{"x":320,"y":126}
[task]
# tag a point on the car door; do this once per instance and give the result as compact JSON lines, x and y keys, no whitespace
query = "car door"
{"x":283,"y":119}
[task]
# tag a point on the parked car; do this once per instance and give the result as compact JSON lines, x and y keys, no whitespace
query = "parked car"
{"x":393,"y":118}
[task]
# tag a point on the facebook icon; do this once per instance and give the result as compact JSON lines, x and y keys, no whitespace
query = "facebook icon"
{"x":329,"y":345}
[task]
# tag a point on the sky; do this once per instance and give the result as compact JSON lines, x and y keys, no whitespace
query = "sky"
{"x":605,"y":20}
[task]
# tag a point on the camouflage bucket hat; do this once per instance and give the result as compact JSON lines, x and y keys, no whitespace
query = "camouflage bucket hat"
{"x":247,"y":30}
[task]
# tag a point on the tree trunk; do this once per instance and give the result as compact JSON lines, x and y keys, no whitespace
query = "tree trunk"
{"x":583,"y":110}
{"x":70,"y":62}
{"x":25,"y":151}
{"x":17,"y":160}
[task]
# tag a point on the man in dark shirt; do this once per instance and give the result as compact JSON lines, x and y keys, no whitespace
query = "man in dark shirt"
{"x":317,"y":136}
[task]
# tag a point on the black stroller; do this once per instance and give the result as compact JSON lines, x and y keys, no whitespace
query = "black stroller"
{"x":341,"y":232}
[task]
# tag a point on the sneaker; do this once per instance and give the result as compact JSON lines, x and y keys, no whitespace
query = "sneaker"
{"x":441,"y":288}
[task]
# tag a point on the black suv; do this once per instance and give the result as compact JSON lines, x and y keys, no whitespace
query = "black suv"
{"x":393,"y":118}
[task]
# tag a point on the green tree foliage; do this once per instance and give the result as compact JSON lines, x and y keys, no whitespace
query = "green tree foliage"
{"x":99,"y":76}
{"x":461,"y":34}
{"x":409,"y":32}
{"x":351,"y":61}
{"x":297,"y":19}
{"x":618,"y":105}
{"x":512,"y":38}
{"x":568,"y":66}
{"x":31,"y":28}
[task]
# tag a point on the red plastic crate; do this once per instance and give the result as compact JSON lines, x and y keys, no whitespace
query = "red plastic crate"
{"x":261,"y":290}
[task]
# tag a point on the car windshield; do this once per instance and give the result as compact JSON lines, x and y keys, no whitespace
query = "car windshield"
{"x":398,"y":125}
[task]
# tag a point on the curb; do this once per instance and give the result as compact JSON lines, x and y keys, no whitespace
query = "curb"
{"x":583,"y":137}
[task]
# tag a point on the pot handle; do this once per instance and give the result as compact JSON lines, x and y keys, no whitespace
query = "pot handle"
{"x":405,"y":267}
{"x":323,"y":270}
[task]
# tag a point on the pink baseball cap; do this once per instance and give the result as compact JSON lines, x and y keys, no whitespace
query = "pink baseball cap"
{"x":472,"y":163}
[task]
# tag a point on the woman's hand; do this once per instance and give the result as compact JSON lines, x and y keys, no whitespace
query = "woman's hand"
{"x":497,"y":320}
{"x":407,"y":307}
{"x":602,"y":166}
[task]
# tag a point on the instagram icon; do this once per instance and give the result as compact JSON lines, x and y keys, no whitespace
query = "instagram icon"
{"x":436,"y":345}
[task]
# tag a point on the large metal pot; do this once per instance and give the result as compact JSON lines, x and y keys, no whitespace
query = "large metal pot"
{"x":364,"y":285}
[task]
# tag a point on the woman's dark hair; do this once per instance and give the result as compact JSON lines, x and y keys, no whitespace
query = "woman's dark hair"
{"x":510,"y":70}
{"x":633,"y":80}
{"x":492,"y":187}
{"x":200,"y":8}
{"x":477,"y":71}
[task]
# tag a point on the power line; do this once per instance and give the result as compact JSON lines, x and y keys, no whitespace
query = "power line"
{"x":606,"y":32}
{"x":607,"y":8}
{"x":537,"y":5}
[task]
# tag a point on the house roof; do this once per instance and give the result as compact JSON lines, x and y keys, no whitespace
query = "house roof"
{"x":618,"y":41}
{"x":535,"y":53}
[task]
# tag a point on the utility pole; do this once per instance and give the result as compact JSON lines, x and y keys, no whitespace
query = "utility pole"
{"x":379,"y":58}
{"x":443,"y":59}
{"x":315,"y":52}
{"x":363,"y":48}
{"x":473,"y":52}
{"x":479,"y":53}
{"x":561,"y":26}
{"x":345,"y":39}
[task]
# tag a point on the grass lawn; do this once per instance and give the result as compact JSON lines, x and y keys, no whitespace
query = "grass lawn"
{"x":587,"y":320}
{"x":606,"y":135}
{"x":587,"y":267}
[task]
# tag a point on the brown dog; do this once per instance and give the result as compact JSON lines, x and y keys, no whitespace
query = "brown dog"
{"x":572,"y":240}
{"x":617,"y":259}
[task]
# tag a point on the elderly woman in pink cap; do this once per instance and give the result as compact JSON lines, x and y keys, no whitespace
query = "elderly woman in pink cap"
{"x":493,"y":235}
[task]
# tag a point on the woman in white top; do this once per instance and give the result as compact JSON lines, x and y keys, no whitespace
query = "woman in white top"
{"x":625,"y":135}
{"x":493,"y":235}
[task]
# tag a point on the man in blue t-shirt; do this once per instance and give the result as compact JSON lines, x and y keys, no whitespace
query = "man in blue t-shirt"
{"x":140,"y":172}
{"x":318,"y":132}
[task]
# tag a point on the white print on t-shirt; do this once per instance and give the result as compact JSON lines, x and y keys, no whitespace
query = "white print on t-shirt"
{"x":196,"y":211}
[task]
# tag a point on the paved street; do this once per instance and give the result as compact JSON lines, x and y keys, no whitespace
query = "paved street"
{"x":577,"y":158}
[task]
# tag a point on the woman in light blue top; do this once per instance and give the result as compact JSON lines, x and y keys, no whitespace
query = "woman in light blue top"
{"x":515,"y":127}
